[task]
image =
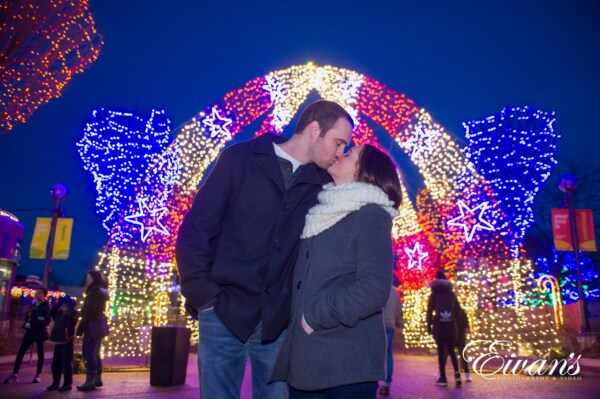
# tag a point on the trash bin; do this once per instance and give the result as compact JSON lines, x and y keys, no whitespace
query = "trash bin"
{"x":169,"y":355}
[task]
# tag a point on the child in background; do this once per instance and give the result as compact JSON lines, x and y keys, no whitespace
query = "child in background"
{"x":65,"y":317}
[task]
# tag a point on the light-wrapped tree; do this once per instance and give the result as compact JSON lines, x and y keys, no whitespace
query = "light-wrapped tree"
{"x":42,"y":45}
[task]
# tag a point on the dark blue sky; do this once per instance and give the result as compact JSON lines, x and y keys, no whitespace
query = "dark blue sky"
{"x":461,"y":60}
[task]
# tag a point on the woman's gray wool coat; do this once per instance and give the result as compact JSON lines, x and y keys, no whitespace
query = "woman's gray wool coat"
{"x":341,"y":283}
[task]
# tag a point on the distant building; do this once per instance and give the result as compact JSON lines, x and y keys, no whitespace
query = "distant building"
{"x":11,"y":243}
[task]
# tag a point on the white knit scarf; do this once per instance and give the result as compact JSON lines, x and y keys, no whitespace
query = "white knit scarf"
{"x":335,"y":202}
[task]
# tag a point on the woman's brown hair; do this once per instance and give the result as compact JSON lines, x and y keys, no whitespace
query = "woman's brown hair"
{"x":376,"y":167}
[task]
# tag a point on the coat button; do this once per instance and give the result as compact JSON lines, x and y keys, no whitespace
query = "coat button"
{"x":268,"y":289}
{"x":286,"y":207}
{"x":276,"y":245}
{"x":307,"y":252}
{"x":299,"y":285}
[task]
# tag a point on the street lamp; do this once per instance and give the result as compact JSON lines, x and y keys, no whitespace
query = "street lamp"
{"x":58,"y":192}
{"x":568,"y":184}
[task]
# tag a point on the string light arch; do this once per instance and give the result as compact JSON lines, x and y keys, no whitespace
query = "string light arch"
{"x":443,"y":223}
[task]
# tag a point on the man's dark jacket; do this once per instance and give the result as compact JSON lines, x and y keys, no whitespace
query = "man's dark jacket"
{"x":442,"y":295}
{"x":239,"y":241}
{"x":38,"y":317}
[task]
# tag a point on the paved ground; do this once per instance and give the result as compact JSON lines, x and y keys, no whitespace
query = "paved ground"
{"x":414,"y":377}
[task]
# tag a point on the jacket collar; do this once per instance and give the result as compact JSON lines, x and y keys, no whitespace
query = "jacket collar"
{"x":441,"y":284}
{"x":263,"y":144}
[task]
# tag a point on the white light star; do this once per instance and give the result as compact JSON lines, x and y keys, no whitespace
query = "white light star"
{"x":420,"y":142}
{"x":349,"y":88}
{"x":145,"y":212}
{"x":415,"y":256}
{"x":278,"y":121}
{"x":275,"y":89}
{"x":217,"y":128}
{"x":481,"y":224}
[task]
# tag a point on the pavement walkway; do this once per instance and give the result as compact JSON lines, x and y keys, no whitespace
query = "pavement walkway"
{"x":413,"y":378}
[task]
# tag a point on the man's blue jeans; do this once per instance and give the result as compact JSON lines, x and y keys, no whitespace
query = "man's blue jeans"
{"x":389,"y":332}
{"x":222,"y":361}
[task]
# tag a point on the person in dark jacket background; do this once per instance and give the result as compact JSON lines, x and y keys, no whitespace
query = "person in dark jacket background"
{"x":442,"y":314}
{"x":461,"y":342}
{"x":237,"y":246}
{"x":63,"y":331}
{"x":36,"y":331}
{"x":94,"y":327}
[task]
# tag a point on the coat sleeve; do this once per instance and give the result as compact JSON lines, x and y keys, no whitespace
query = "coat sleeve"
{"x":369,"y":291}
{"x":41,"y":318}
{"x":85,"y":313}
{"x":397,"y":309}
{"x":92,"y":307}
{"x":429,"y":316}
{"x":54,"y":310}
{"x":71,"y":317}
{"x":195,"y":249}
{"x":462,"y":319}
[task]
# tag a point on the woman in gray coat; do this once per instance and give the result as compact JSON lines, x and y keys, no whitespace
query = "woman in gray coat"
{"x":336,"y":340}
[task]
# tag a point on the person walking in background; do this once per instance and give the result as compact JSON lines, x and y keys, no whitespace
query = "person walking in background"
{"x":62,"y":334}
{"x":94,"y":327}
{"x":442,"y":314}
{"x":392,"y":317}
{"x":461,"y":342}
{"x":237,"y":246}
{"x":36,"y":331}
{"x":336,"y":342}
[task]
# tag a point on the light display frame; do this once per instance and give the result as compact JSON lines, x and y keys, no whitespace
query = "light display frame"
{"x":450,"y":178}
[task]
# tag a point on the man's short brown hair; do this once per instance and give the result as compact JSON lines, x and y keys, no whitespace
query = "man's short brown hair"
{"x":327,"y":113}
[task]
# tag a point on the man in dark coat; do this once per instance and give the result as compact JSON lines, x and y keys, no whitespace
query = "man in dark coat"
{"x":442,"y":313}
{"x":238,"y":243}
{"x":36,"y":331}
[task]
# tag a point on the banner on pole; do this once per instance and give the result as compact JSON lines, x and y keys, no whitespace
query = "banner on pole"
{"x":585,"y":230}
{"x":62,"y":238}
{"x":561,"y":229}
{"x":41,"y":233}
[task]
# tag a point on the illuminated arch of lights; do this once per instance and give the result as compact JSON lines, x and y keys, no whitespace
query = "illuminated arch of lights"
{"x":457,"y":222}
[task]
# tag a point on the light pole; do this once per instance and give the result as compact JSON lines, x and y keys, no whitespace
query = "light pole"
{"x":58,"y":192}
{"x":568,"y":185}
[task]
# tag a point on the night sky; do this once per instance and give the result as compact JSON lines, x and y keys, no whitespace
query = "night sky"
{"x":460,"y":60}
